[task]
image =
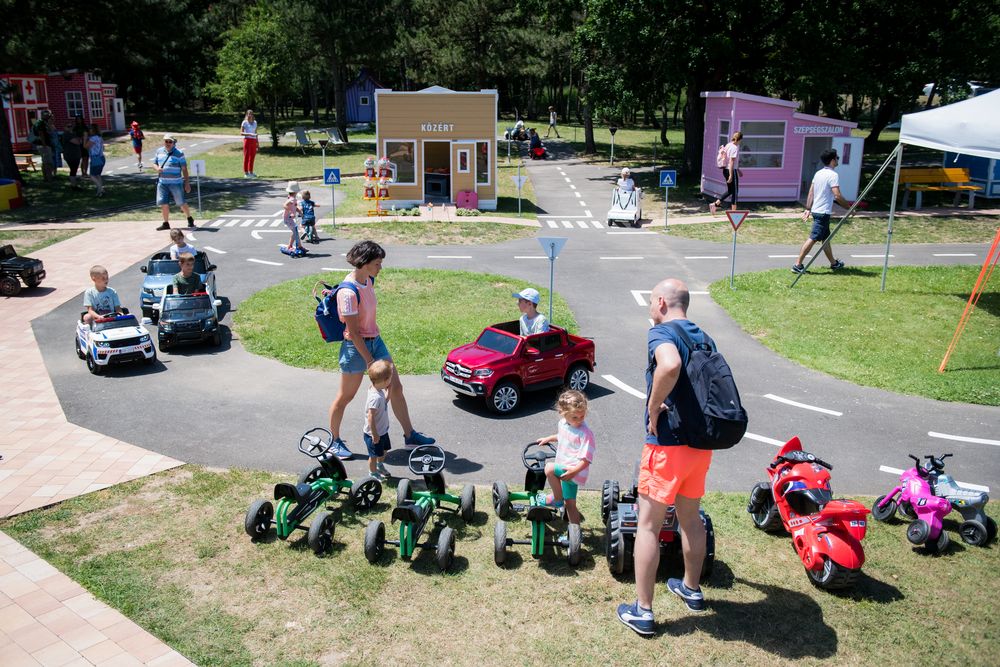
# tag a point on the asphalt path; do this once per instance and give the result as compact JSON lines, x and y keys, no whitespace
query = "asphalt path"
{"x":225,"y":407}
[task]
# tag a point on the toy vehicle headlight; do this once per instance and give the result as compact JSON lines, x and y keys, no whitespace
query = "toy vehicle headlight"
{"x":103,"y":343}
{"x":166,"y":326}
{"x":144,"y":339}
{"x":483,"y":372}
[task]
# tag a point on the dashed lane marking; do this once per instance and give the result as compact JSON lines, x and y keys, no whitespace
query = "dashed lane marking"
{"x":624,"y":387}
{"x":264,"y":261}
{"x":567,"y":179}
{"x":449,"y":256}
{"x":256,"y":233}
{"x":556,"y":215}
{"x":628,"y":233}
{"x":530,"y":257}
{"x":763,"y":438}
{"x":572,"y":187}
{"x":215,"y":250}
{"x":963,"y":438}
{"x":577,"y":194}
{"x":582,"y":203}
{"x":706,"y":257}
{"x":623,"y":257}
{"x":804,"y":406}
{"x":964,"y":485}
{"x":788,"y":256}
{"x":882,"y":256}
{"x":954,"y":254}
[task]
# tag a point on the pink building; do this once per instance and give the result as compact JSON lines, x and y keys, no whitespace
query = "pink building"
{"x":780,"y":150}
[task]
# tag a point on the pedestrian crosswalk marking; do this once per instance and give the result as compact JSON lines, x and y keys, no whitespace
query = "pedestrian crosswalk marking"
{"x":233,"y":223}
{"x":582,"y":224}
{"x":247,"y":223}
{"x":567,"y":224}
{"x":275,"y":223}
{"x":262,"y":222}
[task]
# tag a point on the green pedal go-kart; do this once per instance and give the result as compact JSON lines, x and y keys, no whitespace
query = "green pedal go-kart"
{"x":293,"y":503}
{"x":414,"y":509}
{"x":540,"y":515}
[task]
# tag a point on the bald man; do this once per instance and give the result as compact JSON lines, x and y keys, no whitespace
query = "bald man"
{"x":670,"y":472}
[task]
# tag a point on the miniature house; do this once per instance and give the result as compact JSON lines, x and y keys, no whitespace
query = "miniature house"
{"x":361,"y":98}
{"x":24,"y":105}
{"x":442,"y":143}
{"x":780,"y":150}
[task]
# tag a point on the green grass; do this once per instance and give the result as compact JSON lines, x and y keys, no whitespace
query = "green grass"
{"x":285,"y":162}
{"x":169,"y":551}
{"x":56,"y":200}
{"x":841,"y":324}
{"x":793,"y":231}
{"x":278,"y":321}
{"x":212,"y":206}
{"x":26,"y":241}
{"x":460,"y":231}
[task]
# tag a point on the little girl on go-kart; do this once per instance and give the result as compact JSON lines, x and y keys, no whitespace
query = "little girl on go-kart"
{"x":575,"y":449}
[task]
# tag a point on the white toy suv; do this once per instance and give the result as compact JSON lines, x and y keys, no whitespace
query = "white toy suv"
{"x":116,"y":339}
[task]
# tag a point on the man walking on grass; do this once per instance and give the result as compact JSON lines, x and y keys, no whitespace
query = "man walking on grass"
{"x":825,"y":189}
{"x":171,"y":166}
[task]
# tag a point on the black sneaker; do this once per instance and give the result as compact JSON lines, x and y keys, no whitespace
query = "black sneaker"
{"x":190,"y":221}
{"x":798,"y":268}
{"x":165,"y":225}
{"x":836,"y":265}
{"x":694,"y":599}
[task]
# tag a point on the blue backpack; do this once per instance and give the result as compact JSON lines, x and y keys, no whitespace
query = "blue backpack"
{"x":327,"y":318}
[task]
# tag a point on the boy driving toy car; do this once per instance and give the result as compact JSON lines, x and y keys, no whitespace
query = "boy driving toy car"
{"x":100,"y":299}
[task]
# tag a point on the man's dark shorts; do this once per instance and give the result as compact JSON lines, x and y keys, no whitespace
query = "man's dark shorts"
{"x":821,"y":227}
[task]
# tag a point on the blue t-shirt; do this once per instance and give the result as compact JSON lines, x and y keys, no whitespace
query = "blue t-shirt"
{"x":308,"y":210}
{"x":172,"y":162}
{"x":658,"y":335}
{"x":103,"y":303}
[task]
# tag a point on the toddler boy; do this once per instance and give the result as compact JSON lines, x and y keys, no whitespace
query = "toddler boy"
{"x":376,"y":429}
{"x":100,"y":300}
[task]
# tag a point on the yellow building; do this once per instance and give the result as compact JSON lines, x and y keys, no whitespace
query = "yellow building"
{"x":442,"y":142}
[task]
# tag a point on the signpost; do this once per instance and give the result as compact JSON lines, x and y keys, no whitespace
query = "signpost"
{"x":322,"y":147}
{"x":736,"y":219}
{"x":613,"y":129}
{"x":331,"y":177}
{"x":519,"y":183}
{"x":551,"y":245}
{"x":668,"y":179}
{"x":197,"y":167}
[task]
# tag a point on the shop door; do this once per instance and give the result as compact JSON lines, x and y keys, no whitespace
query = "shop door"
{"x":463,"y":168}
{"x":850,"y":150}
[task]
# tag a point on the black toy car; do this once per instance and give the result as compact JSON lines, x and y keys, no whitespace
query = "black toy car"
{"x":620,"y":512}
{"x":187,"y":318}
{"x":14,"y":270}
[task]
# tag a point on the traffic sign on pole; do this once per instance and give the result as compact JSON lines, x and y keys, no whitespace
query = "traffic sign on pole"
{"x":197,"y":168}
{"x":736,"y":219}
{"x":551,"y":245}
{"x":668,"y":179}
{"x":331,"y":176}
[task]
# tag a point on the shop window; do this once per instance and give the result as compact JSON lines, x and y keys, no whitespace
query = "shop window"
{"x":463,"y":161}
{"x":763,"y":145}
{"x":364,"y":100}
{"x":96,"y":105}
{"x":41,"y":93}
{"x":74,"y":103}
{"x":401,"y":153}
{"x":483,"y":162}
{"x":723,"y":132}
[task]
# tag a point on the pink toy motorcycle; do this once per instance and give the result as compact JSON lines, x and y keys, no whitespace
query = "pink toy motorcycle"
{"x":916,"y":501}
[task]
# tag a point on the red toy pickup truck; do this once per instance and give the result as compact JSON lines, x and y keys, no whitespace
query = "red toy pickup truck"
{"x":501,"y":365}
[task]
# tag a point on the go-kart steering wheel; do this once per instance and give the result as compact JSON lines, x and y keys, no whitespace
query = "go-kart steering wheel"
{"x":316,"y":442}
{"x":426,"y":460}
{"x":535,"y":460}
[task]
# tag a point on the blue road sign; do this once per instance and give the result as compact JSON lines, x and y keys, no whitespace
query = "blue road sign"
{"x":331,"y":176}
{"x":668,"y":178}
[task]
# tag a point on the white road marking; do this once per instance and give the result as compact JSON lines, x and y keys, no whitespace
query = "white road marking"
{"x":553,"y":215}
{"x":954,"y":254}
{"x":215,"y":250}
{"x":582,"y":203}
{"x":449,"y":256}
{"x":567,"y":224}
{"x":625,"y":233}
{"x":264,"y":261}
{"x":624,"y":387}
{"x":572,"y":187}
{"x":582,"y":224}
{"x":247,"y":223}
{"x":706,"y":257}
{"x":577,"y":194}
{"x":882,"y":256}
{"x":329,"y":268}
{"x":276,"y":223}
{"x":230,"y":215}
{"x":697,"y":293}
{"x":197,"y":143}
{"x":964,"y":485}
{"x":125,"y":167}
{"x":788,"y":256}
{"x":587,"y":214}
{"x":567,"y":179}
{"x":637,"y":295}
{"x":804,"y":406}
{"x":233,"y":223}
{"x":262,"y":222}
{"x":256,"y":233}
{"x":623,"y":257}
{"x":651,"y":322}
{"x":597,"y":224}
{"x":217,"y":223}
{"x":190,"y":236}
{"x":277,"y":213}
{"x":553,"y":223}
{"x":530,"y":257}
{"x":963,"y":438}
{"x":763,"y":438}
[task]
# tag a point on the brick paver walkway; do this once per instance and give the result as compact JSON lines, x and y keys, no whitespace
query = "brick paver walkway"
{"x":45,"y":617}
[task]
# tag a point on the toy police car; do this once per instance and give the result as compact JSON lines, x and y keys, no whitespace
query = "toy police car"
{"x":116,"y":339}
{"x":187,"y":318}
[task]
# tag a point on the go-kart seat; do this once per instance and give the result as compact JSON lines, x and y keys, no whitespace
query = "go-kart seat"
{"x":409,"y":512}
{"x":541,"y":513}
{"x":807,"y":501}
{"x":297,"y":492}
{"x":534,"y":481}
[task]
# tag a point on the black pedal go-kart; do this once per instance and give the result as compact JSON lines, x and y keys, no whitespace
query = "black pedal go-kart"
{"x":541,"y":516}
{"x":293,"y":503}
{"x":620,"y":512}
{"x":415,"y":508}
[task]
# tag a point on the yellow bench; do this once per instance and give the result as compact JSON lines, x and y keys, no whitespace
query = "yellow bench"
{"x":944,"y":179}
{"x":25,"y":161}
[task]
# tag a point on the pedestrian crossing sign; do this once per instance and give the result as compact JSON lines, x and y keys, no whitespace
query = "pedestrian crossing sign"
{"x":736,"y":218}
{"x":331,"y":176}
{"x":668,"y":178}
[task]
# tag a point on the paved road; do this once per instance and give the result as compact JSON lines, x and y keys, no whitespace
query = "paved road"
{"x":226,"y":407}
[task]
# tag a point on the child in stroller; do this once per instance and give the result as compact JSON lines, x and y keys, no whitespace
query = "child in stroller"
{"x":518,"y":132}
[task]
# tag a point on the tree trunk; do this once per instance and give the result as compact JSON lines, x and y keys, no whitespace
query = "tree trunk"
{"x":314,"y":101}
{"x":340,"y":100}
{"x":887,"y":110}
{"x":272,"y":107}
{"x":677,"y":105}
{"x":930,"y":96}
{"x":694,"y":129}
{"x":664,"y":141}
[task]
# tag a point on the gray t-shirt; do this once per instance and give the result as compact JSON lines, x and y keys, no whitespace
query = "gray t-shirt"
{"x":540,"y":324}
{"x":103,"y":303}
{"x":378,"y":402}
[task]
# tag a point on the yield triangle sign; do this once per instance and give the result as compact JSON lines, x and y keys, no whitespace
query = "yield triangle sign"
{"x":552,"y":245}
{"x":736,"y":218}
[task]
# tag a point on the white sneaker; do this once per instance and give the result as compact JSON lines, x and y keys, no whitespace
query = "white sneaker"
{"x":382,"y":469}
{"x":377,"y":475}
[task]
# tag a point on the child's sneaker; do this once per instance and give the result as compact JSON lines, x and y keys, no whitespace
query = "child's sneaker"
{"x":382,"y":469}
{"x":340,"y":450}
{"x":798,"y":268}
{"x":836,"y":265}
{"x":694,"y":599}
{"x":637,"y":618}
{"x":416,"y":438}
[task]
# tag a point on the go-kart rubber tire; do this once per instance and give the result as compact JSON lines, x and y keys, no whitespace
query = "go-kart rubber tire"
{"x":216,"y":340}
{"x":164,"y":346}
{"x":501,"y":501}
{"x":905,"y":510}
{"x":9,"y":286}
{"x":974,"y":533}
{"x":508,"y":395}
{"x":614,"y":545}
{"x":578,"y":378}
{"x":404,"y":491}
{"x":709,"y":563}
{"x":884,"y":513}
{"x":767,"y":518}
{"x":574,"y":540}
{"x":258,"y":518}
{"x":500,"y":543}
{"x":154,"y":316}
{"x":311,"y":475}
{"x":918,"y":532}
{"x":320,"y":536}
{"x":467,"y":504}
{"x":93,"y":366}
{"x":991,"y":529}
{"x":151,"y":360}
{"x":76,"y":345}
{"x":445,"y":553}
{"x":940,"y":545}
{"x":31,"y":282}
{"x":610,"y":493}
{"x":374,"y":541}
{"x":365,"y":493}
{"x":832,"y":576}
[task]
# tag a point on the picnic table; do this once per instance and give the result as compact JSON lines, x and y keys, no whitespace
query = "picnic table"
{"x":25,"y":161}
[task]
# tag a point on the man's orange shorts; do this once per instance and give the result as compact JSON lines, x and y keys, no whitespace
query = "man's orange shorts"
{"x":665,"y":472}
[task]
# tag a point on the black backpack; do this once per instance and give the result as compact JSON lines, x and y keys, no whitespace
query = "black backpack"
{"x":708,"y":414}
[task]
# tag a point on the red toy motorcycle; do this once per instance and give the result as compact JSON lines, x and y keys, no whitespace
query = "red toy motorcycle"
{"x":826,"y":533}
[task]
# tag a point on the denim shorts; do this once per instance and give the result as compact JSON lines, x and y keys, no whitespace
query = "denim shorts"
{"x":569,"y":488}
{"x":351,"y":360}
{"x":821,"y":227}
{"x":165,"y":190}
{"x":377,"y":450}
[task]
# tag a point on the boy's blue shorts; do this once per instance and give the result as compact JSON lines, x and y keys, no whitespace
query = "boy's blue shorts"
{"x":351,"y":360}
{"x":378,"y":449}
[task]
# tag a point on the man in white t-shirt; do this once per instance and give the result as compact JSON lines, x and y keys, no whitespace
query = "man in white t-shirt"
{"x":825,"y":189}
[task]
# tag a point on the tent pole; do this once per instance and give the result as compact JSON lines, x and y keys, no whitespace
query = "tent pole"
{"x":861,"y":197}
{"x":892,"y":212}
{"x":984,"y":276}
